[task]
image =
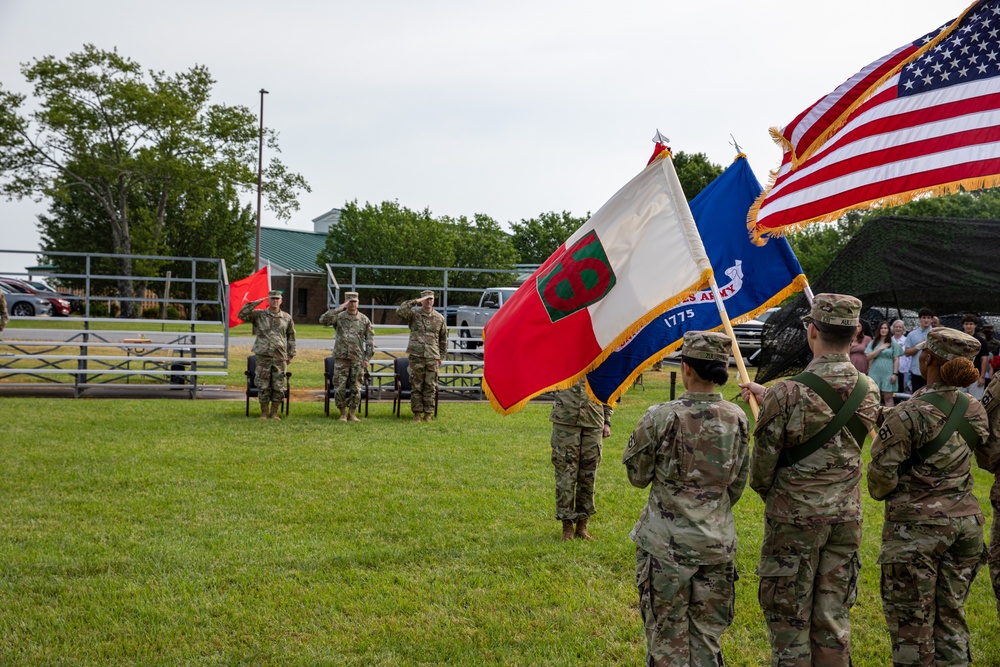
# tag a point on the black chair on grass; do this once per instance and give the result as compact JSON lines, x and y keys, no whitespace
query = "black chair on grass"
{"x":328,"y":365}
{"x":401,"y":368}
{"x":252,"y":391}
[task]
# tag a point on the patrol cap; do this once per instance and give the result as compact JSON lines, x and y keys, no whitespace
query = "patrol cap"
{"x":840,"y":310}
{"x":274,"y":294}
{"x":950,"y":343}
{"x":352,"y":296}
{"x":426,"y":293}
{"x":709,"y":345}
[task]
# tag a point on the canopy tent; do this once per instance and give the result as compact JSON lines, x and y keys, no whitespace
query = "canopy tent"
{"x":894,"y":265}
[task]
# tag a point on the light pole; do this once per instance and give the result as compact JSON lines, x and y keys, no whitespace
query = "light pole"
{"x":260,"y":170}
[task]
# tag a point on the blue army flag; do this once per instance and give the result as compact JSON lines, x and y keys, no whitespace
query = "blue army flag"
{"x":756,"y":278}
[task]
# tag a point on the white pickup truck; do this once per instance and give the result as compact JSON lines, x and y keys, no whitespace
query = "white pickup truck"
{"x":472,"y":319}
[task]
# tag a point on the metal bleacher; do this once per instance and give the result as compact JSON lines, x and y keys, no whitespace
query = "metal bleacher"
{"x":134,"y":355}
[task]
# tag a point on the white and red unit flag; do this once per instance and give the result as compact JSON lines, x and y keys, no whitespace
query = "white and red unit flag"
{"x":923,"y":119}
{"x":638,"y":256}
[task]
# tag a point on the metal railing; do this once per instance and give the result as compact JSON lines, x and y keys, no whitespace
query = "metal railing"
{"x":93,"y":350}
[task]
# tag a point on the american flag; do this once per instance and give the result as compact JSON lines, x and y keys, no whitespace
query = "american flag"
{"x":931,"y":126}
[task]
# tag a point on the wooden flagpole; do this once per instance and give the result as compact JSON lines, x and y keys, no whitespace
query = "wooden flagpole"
{"x":740,"y":366}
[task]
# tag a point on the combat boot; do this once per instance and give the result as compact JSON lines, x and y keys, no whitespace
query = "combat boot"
{"x":343,"y":415}
{"x":567,"y":531}
{"x":419,"y":417}
{"x":351,"y":417}
{"x":429,"y":417}
{"x":581,"y":530}
{"x":263,"y":411}
{"x":275,"y":406}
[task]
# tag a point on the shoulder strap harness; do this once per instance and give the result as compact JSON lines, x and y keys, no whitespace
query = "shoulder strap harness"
{"x":845,"y":415}
{"x":955,"y":421}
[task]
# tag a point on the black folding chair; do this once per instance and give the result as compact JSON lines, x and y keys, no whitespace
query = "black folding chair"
{"x":401,"y":368}
{"x":328,"y":365}
{"x":253,"y":392}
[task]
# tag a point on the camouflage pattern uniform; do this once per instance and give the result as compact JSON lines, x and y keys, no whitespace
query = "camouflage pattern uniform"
{"x":809,"y":561}
{"x":428,"y":345}
{"x":695,"y":454}
{"x":353,"y":345}
{"x":274,"y":344}
{"x":932,"y":538}
{"x":991,"y":461}
{"x":577,"y":434}
{"x":4,"y":317}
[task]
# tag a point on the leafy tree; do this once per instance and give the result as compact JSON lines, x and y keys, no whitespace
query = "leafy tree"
{"x":695,"y":172}
{"x":388,"y":234}
{"x":104,"y":137}
{"x":537,"y":238}
{"x":817,"y":245}
{"x":479,"y":243}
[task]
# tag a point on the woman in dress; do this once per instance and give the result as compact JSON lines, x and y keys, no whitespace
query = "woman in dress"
{"x":859,"y":347}
{"x":883,"y":355}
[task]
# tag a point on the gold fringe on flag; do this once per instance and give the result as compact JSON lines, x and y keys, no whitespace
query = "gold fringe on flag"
{"x":706,"y":275}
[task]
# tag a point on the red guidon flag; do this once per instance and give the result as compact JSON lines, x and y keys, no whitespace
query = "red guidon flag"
{"x":638,"y":256}
{"x":251,"y":288}
{"x":929,"y":124}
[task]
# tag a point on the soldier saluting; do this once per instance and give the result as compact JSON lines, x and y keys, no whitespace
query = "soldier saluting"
{"x":274,"y":347}
{"x":353,"y":348}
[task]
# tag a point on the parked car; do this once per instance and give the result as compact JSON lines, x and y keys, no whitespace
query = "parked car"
{"x":60,"y":306}
{"x":748,"y":335}
{"x":25,"y":304}
{"x":471,"y":319}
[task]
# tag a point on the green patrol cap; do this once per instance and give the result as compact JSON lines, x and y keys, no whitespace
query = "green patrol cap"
{"x":709,"y":345}
{"x":841,"y":310}
{"x":426,"y":293}
{"x":274,"y":294}
{"x":352,"y":296}
{"x":950,"y":343}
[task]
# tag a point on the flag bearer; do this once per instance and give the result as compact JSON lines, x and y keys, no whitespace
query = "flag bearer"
{"x":694,"y":453}
{"x":806,"y":465}
{"x":274,"y":347}
{"x":932,"y":538}
{"x":991,"y":401}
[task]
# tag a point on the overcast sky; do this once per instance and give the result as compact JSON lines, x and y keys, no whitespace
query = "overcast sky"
{"x":504,"y":108}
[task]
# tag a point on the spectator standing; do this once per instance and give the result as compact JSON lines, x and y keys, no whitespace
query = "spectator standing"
{"x":4,"y":317}
{"x":807,"y":468}
{"x":883,"y":355}
{"x":982,"y":359}
{"x":858,"y":349}
{"x":694,"y":453}
{"x":913,"y":339}
{"x":274,"y":346}
{"x":353,"y":348}
{"x":932,"y":538}
{"x":899,"y":337}
{"x":579,"y":426}
{"x":428,"y":345}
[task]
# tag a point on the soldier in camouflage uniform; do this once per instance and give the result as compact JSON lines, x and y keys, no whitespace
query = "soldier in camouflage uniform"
{"x":694,"y":452}
{"x":4,"y":318}
{"x":932,"y":539}
{"x":274,"y":347}
{"x":579,"y":426}
{"x":991,"y":401}
{"x":353,"y":348}
{"x":809,"y":561}
{"x":428,"y":345}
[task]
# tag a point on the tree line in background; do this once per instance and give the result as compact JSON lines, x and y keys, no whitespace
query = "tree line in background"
{"x":140,"y":162}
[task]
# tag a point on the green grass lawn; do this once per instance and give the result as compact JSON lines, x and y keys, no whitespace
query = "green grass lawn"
{"x":180,"y":532}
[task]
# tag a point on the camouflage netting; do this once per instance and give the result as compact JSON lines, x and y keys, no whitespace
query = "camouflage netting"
{"x":897,"y":265}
